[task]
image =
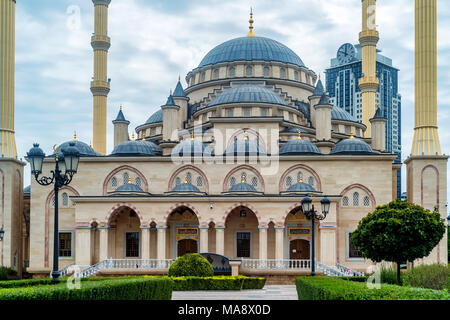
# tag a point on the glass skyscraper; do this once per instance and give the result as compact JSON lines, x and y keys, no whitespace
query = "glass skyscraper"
{"x":342,"y":86}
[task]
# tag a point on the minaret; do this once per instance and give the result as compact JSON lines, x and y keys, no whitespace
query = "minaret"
{"x":121,"y":128}
{"x":7,"y":55}
{"x":100,"y":85}
{"x":426,"y":139}
{"x":426,"y":167}
{"x":368,"y":84}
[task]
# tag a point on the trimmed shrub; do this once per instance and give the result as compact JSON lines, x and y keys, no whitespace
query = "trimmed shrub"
{"x":131,"y":288}
{"x":253,"y":283}
{"x":328,"y":288}
{"x":434,"y":276}
{"x":191,"y":264}
{"x":389,"y":275}
{"x":6,"y":273}
{"x":217,"y":283}
{"x":356,"y":278}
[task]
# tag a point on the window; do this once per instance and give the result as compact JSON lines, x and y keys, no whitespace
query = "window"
{"x":366,"y":201}
{"x":232,"y":181}
{"x":229,"y":112}
{"x":345,"y":201}
{"x":356,"y":199}
{"x":353,"y":251}
{"x":249,"y":71}
{"x":132,"y":244}
{"x":216,"y":74}
{"x":199,"y":182}
{"x":203,"y":76}
{"x":153,"y":131}
{"x":232,"y":72}
{"x":177,"y":181}
{"x":53,"y":201}
{"x":282,"y":73}
{"x":189,"y":178}
{"x":254,"y":182}
{"x":114,"y":182}
{"x":266,"y":72}
{"x":247,"y":112}
{"x":288,"y":182}
{"x":125,"y":178}
{"x":263,"y":112}
{"x":65,"y":200}
{"x":243,"y":244}
{"x":138,"y":182}
{"x":311,"y":181}
{"x":65,"y":244}
{"x":296,"y":75}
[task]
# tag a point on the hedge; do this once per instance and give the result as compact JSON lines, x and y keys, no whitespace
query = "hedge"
{"x":132,"y":288}
{"x":328,"y":288}
{"x":191,"y":264}
{"x":5,"y":273}
{"x":355,"y":278}
{"x":217,"y":283}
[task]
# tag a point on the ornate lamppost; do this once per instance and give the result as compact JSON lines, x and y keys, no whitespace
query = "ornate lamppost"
{"x":311,"y":214}
{"x":65,"y":168}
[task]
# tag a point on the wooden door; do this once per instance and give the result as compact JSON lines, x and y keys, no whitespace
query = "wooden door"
{"x":299,"y":249}
{"x":187,"y":246}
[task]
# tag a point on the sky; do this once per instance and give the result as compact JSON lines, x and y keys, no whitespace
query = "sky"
{"x":153,"y":42}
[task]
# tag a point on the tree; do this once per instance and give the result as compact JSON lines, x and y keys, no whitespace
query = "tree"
{"x":398,"y":231}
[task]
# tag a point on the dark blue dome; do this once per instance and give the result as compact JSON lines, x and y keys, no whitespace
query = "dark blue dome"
{"x":157,"y":117}
{"x":251,"y":49}
{"x":299,"y":146}
{"x":352,"y":146}
{"x":248,"y":93}
{"x":245,"y":148}
{"x":129,"y":187}
{"x":191,"y":147}
{"x":186,"y":187}
{"x":338,"y":113}
{"x":301,"y":187}
{"x":83,"y":149}
{"x":136,"y":148}
{"x":242,"y":187}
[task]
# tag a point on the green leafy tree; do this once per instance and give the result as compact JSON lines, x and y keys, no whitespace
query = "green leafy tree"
{"x":398,"y":231}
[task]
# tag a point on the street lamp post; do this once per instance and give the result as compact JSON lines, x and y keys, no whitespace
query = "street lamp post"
{"x":311,"y":214}
{"x":65,"y":168}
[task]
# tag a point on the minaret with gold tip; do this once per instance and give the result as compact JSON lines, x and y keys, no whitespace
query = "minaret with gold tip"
{"x":250,"y":33}
{"x":426,"y":167}
{"x":100,"y":84}
{"x":368,"y":84}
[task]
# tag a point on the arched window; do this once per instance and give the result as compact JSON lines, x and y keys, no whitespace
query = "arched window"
{"x":114,"y":182}
{"x":282,"y":73}
{"x":249,"y":71}
{"x":266,"y":72}
{"x":189,"y":178}
{"x":366,"y":201}
{"x":288,"y":182}
{"x":232,"y":181}
{"x":311,"y":181}
{"x":255,"y":182}
{"x":232,"y":72}
{"x":216,"y":74}
{"x":125,"y":178}
{"x":356,"y":199}
{"x":203,"y":76}
{"x":296,"y":75}
{"x":138,"y":182}
{"x":199,"y":181}
{"x":65,"y":200}
{"x":53,"y":201}
{"x":177,"y":181}
{"x":345,"y":201}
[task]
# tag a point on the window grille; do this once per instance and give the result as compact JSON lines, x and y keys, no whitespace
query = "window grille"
{"x":125,"y":178}
{"x":356,"y":199}
{"x":345,"y":201}
{"x":288,"y":182}
{"x":65,"y":199}
{"x":199,"y":182}
{"x":138,"y":182}
{"x":114,"y":182}
{"x":366,"y":201}
{"x":254,"y":182}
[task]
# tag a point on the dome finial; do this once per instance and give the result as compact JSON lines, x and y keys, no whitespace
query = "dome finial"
{"x":143,"y":137}
{"x":129,"y":180}
{"x":192,"y":136}
{"x":300,"y":178}
{"x":185,"y":179}
{"x":179,"y":78}
{"x":299,"y":134}
{"x":75,"y":136}
{"x":352,"y":135}
{"x":250,"y":33}
{"x":170,"y":91}
{"x":132,"y":137}
{"x":243,"y":178}
{"x":245,"y":135}
{"x":121,"y":107}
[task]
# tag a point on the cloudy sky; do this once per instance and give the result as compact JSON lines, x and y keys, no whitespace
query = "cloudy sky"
{"x":155,"y":41}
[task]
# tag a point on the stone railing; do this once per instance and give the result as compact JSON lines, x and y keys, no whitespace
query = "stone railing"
{"x":349,"y":271}
{"x":286,"y":264}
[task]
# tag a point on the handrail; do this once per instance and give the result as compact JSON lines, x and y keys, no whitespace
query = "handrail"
{"x":349,"y":271}
{"x":288,"y":264}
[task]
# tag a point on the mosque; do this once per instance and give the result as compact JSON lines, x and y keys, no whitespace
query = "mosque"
{"x":223,"y":165}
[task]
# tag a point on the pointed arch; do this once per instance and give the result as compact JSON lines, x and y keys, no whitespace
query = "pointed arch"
{"x":310,"y":170}
{"x":117,"y":206}
{"x":176,"y":206}
{"x":365,"y":189}
{"x":188,"y":167}
{"x":118,"y":169}
{"x":240,"y":204}
{"x":225,"y":185}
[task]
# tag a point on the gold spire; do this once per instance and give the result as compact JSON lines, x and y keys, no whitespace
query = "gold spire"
{"x":245,"y":135}
{"x":132,"y":137}
{"x":185,"y":179}
{"x":250,"y":33}
{"x":129,"y":180}
{"x":192,"y":135}
{"x":243,"y":178}
{"x":75,"y":136}
{"x":121,"y":108}
{"x":179,"y":78}
{"x":352,"y":135}
{"x":300,"y":178}
{"x":299,"y":134}
{"x":90,"y":143}
{"x":143,"y":137}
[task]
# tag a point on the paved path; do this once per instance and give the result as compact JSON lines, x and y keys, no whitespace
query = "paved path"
{"x":269,"y":292}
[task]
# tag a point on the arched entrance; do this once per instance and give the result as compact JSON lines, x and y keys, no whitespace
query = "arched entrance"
{"x":183,"y":232}
{"x":241,"y":234}
{"x":124,"y":234}
{"x":299,"y":249}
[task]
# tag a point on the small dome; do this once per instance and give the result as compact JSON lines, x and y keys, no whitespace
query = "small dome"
{"x":301,"y":187}
{"x":245,"y":148}
{"x":352,"y":146}
{"x":248,"y":93}
{"x":83,"y":149}
{"x":191,"y":148}
{"x":338,"y":113}
{"x":157,"y":117}
{"x":129,"y":187}
{"x":251,"y":49}
{"x":299,"y":147}
{"x":136,"y":148}
{"x":242,"y":187}
{"x":186,"y":188}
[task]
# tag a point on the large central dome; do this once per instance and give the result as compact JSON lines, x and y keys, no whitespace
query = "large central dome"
{"x":251,"y":49}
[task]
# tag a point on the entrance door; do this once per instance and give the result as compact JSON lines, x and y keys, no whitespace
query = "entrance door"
{"x":187,"y":246}
{"x":299,"y":249}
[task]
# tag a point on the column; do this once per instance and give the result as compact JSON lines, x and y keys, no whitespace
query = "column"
{"x":204,"y":239}
{"x":103,"y":252}
{"x":83,"y":246}
{"x":220,"y":244}
{"x":161,"y":248}
{"x":262,"y":242}
{"x":145,"y":232}
{"x":279,"y":242}
{"x":327,"y":244}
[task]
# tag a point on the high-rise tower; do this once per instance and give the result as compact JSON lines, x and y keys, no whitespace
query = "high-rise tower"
{"x":7,"y":56}
{"x":426,"y":139}
{"x":100,"y":85}
{"x":368,"y":84}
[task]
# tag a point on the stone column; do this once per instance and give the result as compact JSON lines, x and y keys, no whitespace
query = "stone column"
{"x":327,"y":245}
{"x":279,"y":242}
{"x":103,"y":252}
{"x":204,"y":239}
{"x":220,"y":240}
{"x":161,"y":248}
{"x":83,"y":246}
{"x":145,"y":231}
{"x":262,"y":242}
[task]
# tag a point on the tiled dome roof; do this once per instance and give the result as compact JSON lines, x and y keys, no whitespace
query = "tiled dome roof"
{"x":157,"y":117}
{"x":301,"y":187}
{"x":242,"y":187}
{"x":251,"y":49}
{"x":248,"y":93}
{"x":338,"y":113}
{"x":245,"y":148}
{"x":129,"y":187}
{"x":83,"y":149}
{"x":191,"y":147}
{"x":186,"y":187}
{"x":136,"y":148}
{"x":299,"y":146}
{"x":352,"y":146}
